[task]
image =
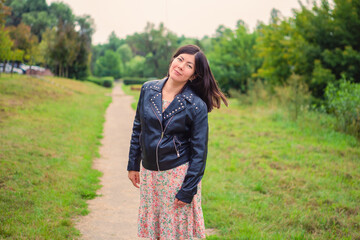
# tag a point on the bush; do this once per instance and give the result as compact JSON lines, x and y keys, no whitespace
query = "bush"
{"x":294,"y":96}
{"x":94,"y":80}
{"x":107,"y":81}
{"x":103,"y":81}
{"x":135,"y":80}
{"x":344,"y":103}
{"x":257,"y":92}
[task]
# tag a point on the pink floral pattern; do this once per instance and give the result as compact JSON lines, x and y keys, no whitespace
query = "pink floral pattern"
{"x":158,"y":215}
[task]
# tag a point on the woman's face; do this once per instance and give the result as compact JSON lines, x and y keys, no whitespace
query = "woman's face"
{"x":182,"y":68}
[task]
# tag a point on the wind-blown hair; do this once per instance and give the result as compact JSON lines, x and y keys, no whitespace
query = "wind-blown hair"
{"x":204,"y":83}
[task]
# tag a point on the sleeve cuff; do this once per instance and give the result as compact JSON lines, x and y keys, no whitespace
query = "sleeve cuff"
{"x":131,"y":167}
{"x":184,"y":196}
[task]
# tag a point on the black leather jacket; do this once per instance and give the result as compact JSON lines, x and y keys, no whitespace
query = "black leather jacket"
{"x":165,"y":140}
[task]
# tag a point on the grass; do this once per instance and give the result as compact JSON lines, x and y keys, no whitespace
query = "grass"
{"x":271,"y":178}
{"x":49,"y":134}
{"x":135,"y":94}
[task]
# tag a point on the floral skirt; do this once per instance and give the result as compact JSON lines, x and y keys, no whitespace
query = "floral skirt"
{"x":158,"y":215}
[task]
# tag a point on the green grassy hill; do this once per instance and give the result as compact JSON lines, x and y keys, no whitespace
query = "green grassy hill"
{"x":49,"y":135}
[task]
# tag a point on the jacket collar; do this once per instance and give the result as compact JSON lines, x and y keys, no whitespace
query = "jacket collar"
{"x":176,"y":106}
{"x":186,"y":93}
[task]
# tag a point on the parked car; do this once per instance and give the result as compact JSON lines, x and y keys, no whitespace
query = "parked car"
{"x":8,"y":69}
{"x":24,"y":67}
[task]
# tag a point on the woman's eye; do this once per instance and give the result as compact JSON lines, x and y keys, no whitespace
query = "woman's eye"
{"x":179,"y":59}
{"x":189,"y":66}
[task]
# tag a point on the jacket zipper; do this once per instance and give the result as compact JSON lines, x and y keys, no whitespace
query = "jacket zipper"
{"x":162,"y":135}
{"x":177,"y":152}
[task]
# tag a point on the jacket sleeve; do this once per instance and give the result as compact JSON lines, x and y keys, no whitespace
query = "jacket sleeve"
{"x":135,"y":150}
{"x":199,"y":142}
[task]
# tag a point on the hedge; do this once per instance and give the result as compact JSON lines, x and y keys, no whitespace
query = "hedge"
{"x":136,"y":80}
{"x":102,"y":81}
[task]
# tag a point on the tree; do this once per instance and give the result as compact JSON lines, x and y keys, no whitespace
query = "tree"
{"x":17,"y":8}
{"x":6,"y":44}
{"x":135,"y":67}
{"x":35,"y":5}
{"x":46,"y":47}
{"x":109,"y":65}
{"x":61,"y":12}
{"x":80,"y":69}
{"x":22,"y":37}
{"x":333,"y":42}
{"x":4,"y":12}
{"x":114,"y":42}
{"x":156,"y":45}
{"x":64,"y":49}
{"x":38,"y":21}
{"x":273,"y":45}
{"x":233,"y":59}
{"x":5,"y":40}
{"x":125,"y":53}
{"x":27,"y":42}
{"x":16,"y":55}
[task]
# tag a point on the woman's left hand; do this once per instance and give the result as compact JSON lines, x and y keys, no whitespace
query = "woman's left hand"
{"x":179,"y":203}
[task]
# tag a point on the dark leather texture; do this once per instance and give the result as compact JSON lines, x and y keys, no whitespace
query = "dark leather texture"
{"x":165,"y":140}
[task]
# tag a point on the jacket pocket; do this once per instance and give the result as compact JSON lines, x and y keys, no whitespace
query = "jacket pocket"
{"x":177,"y":144}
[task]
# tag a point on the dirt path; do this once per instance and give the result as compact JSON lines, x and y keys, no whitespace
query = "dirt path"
{"x":113,"y":215}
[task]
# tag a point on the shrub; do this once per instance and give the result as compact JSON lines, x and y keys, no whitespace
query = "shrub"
{"x":294,"y":96}
{"x":344,"y":103}
{"x":257,"y":92}
{"x":107,"y":81}
{"x":94,"y":80}
{"x":103,"y":81}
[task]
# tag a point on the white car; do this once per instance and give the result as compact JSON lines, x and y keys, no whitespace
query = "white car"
{"x":8,"y":69}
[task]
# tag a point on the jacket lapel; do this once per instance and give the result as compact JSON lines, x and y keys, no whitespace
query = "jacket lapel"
{"x":155,"y":99}
{"x":177,"y":105}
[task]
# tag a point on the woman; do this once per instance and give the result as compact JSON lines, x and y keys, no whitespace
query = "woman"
{"x":170,"y":135}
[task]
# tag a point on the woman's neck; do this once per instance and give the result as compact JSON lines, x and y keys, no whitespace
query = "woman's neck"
{"x":172,"y":88}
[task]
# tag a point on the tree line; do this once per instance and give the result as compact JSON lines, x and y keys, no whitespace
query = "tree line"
{"x":34,"y":32}
{"x":319,"y":44}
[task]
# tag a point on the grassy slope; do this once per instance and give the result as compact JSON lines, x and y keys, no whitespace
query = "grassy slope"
{"x":49,"y":135}
{"x":269,"y":178}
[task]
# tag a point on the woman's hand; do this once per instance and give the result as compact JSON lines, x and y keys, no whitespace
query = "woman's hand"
{"x":134,"y":178}
{"x":179,"y":203}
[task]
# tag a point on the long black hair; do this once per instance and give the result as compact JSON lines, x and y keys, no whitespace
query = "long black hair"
{"x":204,"y":83}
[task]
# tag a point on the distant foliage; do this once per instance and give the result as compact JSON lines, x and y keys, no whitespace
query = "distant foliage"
{"x":344,"y":103}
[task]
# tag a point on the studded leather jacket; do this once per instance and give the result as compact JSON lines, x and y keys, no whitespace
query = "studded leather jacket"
{"x":165,"y":140}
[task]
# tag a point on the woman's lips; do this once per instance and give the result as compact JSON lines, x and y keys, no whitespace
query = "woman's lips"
{"x":177,"y":73}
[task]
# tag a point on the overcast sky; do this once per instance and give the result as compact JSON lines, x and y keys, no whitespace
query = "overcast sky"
{"x":192,"y":18}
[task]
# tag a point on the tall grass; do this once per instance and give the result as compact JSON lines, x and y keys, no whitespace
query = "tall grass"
{"x":49,"y":135}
